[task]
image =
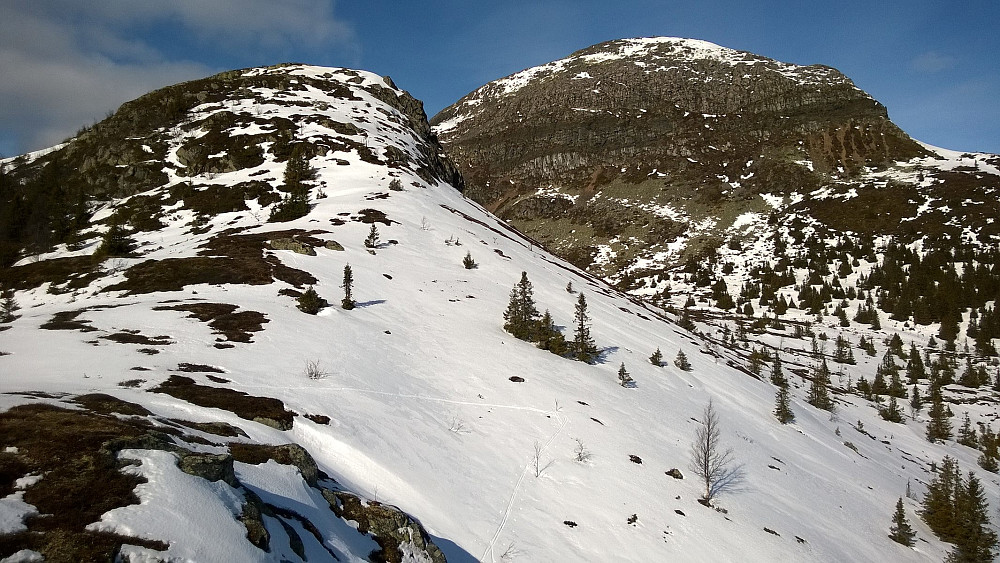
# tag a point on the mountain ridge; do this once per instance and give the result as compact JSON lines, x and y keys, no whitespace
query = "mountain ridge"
{"x":418,"y":397}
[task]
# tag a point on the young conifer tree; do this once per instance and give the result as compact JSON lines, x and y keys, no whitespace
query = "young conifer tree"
{"x":584,"y":347}
{"x":348,"y":301}
{"x":373,"y":237}
{"x":657,"y":358}
{"x":681,"y":361}
{"x":939,"y":427}
{"x":521,"y":314}
{"x":783,"y":407}
{"x":623,"y":377}
{"x":548,"y":336}
{"x":468,"y":262}
{"x":900,"y":531}
{"x":819,"y":395}
{"x":777,"y":375}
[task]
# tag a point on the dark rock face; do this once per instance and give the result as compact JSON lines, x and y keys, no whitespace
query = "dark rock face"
{"x":655,"y":104}
{"x":629,"y":143}
{"x":390,"y":527}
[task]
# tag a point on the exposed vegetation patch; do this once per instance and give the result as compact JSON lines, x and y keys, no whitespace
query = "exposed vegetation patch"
{"x":106,"y":404}
{"x":373,"y":216}
{"x":225,"y":259}
{"x":75,"y":272}
{"x":216,"y":199}
{"x":217,"y":428}
{"x":173,"y":274}
{"x":198,"y":368}
{"x":264,"y":410}
{"x":74,"y":450}
{"x":67,"y":320}
{"x":136,"y":338}
{"x":223,"y":318}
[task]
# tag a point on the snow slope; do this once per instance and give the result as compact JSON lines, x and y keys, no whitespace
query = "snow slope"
{"x":424,"y":415}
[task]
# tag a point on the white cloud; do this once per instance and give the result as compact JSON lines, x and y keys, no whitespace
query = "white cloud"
{"x":932,"y":62}
{"x":67,"y":63}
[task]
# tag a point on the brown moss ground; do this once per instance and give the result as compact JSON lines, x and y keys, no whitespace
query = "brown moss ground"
{"x":81,"y":479}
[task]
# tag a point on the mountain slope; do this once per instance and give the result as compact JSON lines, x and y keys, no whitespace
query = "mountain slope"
{"x":417,"y":397}
{"x":635,"y":156}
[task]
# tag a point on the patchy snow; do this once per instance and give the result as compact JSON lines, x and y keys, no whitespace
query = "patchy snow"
{"x":196,"y":517}
{"x":13,"y":511}
{"x":424,"y":414}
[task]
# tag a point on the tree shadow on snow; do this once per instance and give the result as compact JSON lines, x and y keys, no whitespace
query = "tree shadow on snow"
{"x":364,"y":304}
{"x":602,"y":355}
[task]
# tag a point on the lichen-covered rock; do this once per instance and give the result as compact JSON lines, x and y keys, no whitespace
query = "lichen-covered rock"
{"x":213,"y":467}
{"x":252,"y":518}
{"x":288,"y":454}
{"x":392,"y":529}
{"x":293,"y":245}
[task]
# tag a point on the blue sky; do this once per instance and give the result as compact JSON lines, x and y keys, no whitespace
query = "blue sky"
{"x":65,"y":63}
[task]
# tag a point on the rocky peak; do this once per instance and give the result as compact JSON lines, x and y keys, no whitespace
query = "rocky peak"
{"x":647,"y":142}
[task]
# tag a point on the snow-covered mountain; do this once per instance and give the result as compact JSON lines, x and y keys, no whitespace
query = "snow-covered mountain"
{"x":159,"y":345}
{"x":633,"y":157}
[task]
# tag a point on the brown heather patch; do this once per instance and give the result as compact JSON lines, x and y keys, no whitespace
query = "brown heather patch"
{"x":82,"y":479}
{"x":67,"y":320}
{"x":265,"y":410}
{"x":78,"y":271}
{"x":135,"y":338}
{"x":236,"y":327}
{"x":228,"y":258}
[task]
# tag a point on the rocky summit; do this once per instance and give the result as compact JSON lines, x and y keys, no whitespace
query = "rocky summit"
{"x":635,"y":156}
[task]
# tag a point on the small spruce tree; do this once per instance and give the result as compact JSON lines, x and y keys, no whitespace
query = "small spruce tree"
{"x":783,"y":408}
{"x":584,"y":347}
{"x":297,"y":175}
{"x":623,"y":377}
{"x":521,"y":314}
{"x":657,"y":358}
{"x":8,"y":306}
{"x":777,"y":375}
{"x":348,"y":301}
{"x":892,"y":412}
{"x":681,"y":361}
{"x":373,"y":238}
{"x":819,"y":395}
{"x":116,"y":241}
{"x":310,"y":302}
{"x":938,"y":428}
{"x":548,"y":336}
{"x":468,"y":262}
{"x":916,"y":401}
{"x":900,"y":531}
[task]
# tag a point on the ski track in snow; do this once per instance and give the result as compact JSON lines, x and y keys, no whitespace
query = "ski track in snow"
{"x":517,"y":486}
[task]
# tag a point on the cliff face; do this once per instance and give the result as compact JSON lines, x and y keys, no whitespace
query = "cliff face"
{"x":653,"y":123}
{"x":659,"y":104}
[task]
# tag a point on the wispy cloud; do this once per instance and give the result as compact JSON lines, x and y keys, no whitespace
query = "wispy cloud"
{"x":67,"y":63}
{"x":931,"y":62}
